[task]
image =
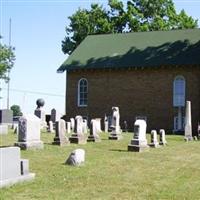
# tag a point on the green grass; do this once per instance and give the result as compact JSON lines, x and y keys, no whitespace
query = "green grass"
{"x":110,"y":172}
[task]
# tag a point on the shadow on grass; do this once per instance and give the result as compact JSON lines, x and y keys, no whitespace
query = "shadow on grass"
{"x":119,"y":150}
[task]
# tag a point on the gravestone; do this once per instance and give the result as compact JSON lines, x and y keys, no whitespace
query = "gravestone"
{"x":13,"y":169}
{"x":60,"y":138}
{"x":85,"y":127}
{"x":78,"y":136}
{"x":93,"y":137}
{"x":40,"y":113}
{"x":29,"y":132}
{"x":139,"y":141}
{"x":68,"y":127}
{"x":188,"y":122}
{"x":162,"y":137}
{"x":106,"y":124}
{"x":77,"y":157}
{"x":72,"y":124}
{"x":116,"y":130}
{"x":6,"y":116}
{"x":154,"y":141}
{"x":98,"y":125}
{"x":50,"y":127}
{"x":53,"y":115}
{"x":3,"y":129}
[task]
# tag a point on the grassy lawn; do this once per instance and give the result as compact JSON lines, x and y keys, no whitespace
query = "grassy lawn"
{"x":110,"y":172}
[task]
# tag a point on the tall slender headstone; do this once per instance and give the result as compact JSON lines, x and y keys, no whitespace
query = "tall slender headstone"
{"x":188,"y":122}
{"x":29,"y":132}
{"x":72,"y":124}
{"x":116,"y":130}
{"x":162,"y":137}
{"x":60,"y":138}
{"x":85,"y":126}
{"x":53,"y":115}
{"x":93,"y":137}
{"x":68,"y":127}
{"x":139,"y":141}
{"x":50,"y":127}
{"x":106,"y":124}
{"x":154,"y":141}
{"x":78,"y":136}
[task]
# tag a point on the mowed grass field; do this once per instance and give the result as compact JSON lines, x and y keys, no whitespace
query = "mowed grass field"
{"x":110,"y":171}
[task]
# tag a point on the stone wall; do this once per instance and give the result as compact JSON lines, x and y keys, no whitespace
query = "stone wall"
{"x":137,"y":92}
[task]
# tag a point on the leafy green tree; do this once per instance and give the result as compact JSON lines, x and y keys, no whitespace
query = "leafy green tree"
{"x":138,"y":15}
{"x":7,"y":58}
{"x":16,"y":110}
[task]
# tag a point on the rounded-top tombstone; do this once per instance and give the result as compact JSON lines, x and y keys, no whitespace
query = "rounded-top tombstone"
{"x":40,"y":103}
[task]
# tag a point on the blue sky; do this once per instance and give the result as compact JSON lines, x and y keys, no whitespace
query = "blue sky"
{"x":38,"y":28}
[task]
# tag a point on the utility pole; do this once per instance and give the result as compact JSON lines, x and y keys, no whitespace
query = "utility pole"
{"x":8,"y":85}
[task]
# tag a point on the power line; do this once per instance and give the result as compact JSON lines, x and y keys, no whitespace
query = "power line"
{"x":34,"y":92}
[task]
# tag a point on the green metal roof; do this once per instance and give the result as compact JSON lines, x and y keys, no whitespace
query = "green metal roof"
{"x":138,"y":49}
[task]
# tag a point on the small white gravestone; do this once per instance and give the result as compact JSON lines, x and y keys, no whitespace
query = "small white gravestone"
{"x":162,"y":137}
{"x":188,"y":122}
{"x":72,"y":124}
{"x":13,"y":169}
{"x":68,"y":127}
{"x":154,"y":141}
{"x":60,"y":138}
{"x":78,"y":136}
{"x":77,"y":157}
{"x":139,"y":141}
{"x":106,"y":124}
{"x":116,"y":130}
{"x":50,"y":128}
{"x":29,"y":132}
{"x":98,"y":125}
{"x":93,"y":137}
{"x":85,"y":127}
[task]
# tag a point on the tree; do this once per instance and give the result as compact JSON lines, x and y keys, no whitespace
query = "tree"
{"x":16,"y":110}
{"x":139,"y":15}
{"x":7,"y":58}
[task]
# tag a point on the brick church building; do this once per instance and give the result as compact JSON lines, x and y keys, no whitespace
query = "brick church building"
{"x":148,"y":75}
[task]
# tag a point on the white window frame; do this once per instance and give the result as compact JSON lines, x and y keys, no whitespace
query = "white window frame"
{"x":176,"y":123}
{"x":179,"y":92}
{"x":79,"y":100}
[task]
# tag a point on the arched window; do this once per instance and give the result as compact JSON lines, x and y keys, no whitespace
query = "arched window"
{"x":179,"y":91}
{"x":82,"y":92}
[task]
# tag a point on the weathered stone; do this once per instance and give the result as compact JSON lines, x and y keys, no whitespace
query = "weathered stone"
{"x":106,"y":124}
{"x":162,"y":137}
{"x":50,"y":127}
{"x":77,"y":157}
{"x":139,"y":141}
{"x":85,"y":127}
{"x":116,"y":130}
{"x":93,"y":137}
{"x":154,"y":141}
{"x":6,"y":116}
{"x":68,"y":127}
{"x":60,"y":138}
{"x":188,"y":121}
{"x":72,"y":124}
{"x":29,"y":132}
{"x":13,"y":169}
{"x":78,"y":136}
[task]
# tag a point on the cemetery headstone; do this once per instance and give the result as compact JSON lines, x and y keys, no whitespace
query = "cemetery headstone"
{"x":154,"y":141}
{"x":72,"y":124}
{"x":116,"y":130}
{"x":77,"y":157}
{"x":50,"y":127}
{"x":53,"y":115}
{"x":188,"y":122}
{"x":29,"y":132}
{"x":68,"y":127}
{"x":85,"y":126}
{"x":139,"y":141}
{"x":6,"y":116}
{"x":13,"y":168}
{"x":93,"y":137}
{"x":162,"y":137}
{"x":78,"y":136}
{"x":60,"y":138}
{"x":106,"y":124}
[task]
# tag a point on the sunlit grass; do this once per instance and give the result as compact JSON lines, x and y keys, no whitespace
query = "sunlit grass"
{"x":110,"y":172}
